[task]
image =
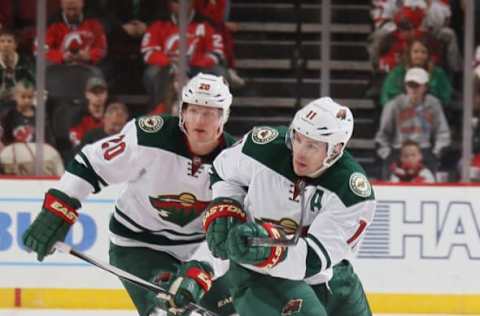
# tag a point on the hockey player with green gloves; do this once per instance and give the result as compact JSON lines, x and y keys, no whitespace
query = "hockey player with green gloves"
{"x":157,"y":221}
{"x":263,"y":186}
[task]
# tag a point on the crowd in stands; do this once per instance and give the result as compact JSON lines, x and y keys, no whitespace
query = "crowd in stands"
{"x":95,"y":47}
{"x":416,"y":83}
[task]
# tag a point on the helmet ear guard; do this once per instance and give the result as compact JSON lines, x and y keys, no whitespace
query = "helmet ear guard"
{"x":325,"y":121}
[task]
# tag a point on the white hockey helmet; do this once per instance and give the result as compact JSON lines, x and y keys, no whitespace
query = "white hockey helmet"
{"x":326,"y":121}
{"x":206,"y":90}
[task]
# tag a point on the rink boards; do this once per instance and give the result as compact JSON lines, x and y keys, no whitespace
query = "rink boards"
{"x":421,"y":254}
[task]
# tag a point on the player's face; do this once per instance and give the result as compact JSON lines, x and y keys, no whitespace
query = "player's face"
{"x":308,"y":154}
{"x":202,"y":123}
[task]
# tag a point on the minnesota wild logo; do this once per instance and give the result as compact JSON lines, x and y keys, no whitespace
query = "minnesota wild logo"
{"x":263,"y":135}
{"x":179,"y":209}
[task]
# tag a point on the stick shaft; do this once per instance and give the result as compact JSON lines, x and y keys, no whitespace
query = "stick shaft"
{"x":124,"y":275}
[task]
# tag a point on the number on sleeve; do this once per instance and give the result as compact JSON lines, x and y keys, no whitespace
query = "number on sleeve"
{"x":113,"y":147}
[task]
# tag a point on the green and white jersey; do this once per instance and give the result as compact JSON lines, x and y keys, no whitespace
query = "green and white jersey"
{"x":339,"y":203}
{"x":167,"y":187}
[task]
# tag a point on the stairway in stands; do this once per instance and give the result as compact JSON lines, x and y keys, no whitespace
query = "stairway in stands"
{"x":264,"y":47}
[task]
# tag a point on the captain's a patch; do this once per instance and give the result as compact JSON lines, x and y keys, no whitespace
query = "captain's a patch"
{"x":151,"y":123}
{"x":360,"y":185}
{"x":264,"y":135}
{"x":292,"y":307}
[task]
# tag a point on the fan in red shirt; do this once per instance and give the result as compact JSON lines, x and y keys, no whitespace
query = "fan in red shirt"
{"x":74,"y":37}
{"x":216,"y":12}
{"x":160,"y":48}
{"x":92,"y":116}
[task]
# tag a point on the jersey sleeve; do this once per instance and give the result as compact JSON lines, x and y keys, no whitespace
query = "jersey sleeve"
{"x":335,"y":234}
{"x":230,"y":173}
{"x":111,"y":160}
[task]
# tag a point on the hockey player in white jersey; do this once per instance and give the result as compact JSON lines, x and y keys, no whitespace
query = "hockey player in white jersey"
{"x":258,"y":188}
{"x":157,"y":222}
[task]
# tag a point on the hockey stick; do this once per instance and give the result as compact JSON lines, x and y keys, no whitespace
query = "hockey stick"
{"x":286,"y":242}
{"x":124,"y":275}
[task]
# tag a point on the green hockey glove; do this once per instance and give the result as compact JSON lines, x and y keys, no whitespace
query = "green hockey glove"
{"x":192,"y":280}
{"x":260,"y":256}
{"x":221,"y":215}
{"x":59,"y":212}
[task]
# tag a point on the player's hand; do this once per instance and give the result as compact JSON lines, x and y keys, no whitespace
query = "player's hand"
{"x":240,"y":251}
{"x":192,"y":280}
{"x":59,"y":212}
{"x":221,"y":215}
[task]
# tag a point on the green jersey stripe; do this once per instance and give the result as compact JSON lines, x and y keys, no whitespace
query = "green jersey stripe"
{"x":86,"y":172}
{"x":147,"y":237}
{"x":135,"y":224}
{"x":322,"y":248}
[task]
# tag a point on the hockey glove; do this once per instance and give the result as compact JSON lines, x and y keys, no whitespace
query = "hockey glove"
{"x":192,"y":280}
{"x":221,"y":215}
{"x":59,"y":212}
{"x":260,"y":256}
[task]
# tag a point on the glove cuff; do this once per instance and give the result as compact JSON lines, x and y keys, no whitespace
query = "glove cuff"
{"x":202,"y":277}
{"x":223,"y":207}
{"x":61,"y":205}
{"x":277,"y":253}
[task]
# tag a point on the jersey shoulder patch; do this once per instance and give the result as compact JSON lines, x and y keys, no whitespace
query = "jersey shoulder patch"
{"x":150,"y":123}
{"x":264,"y":134}
{"x":267,"y":146}
{"x":347,"y":179}
{"x":160,"y":132}
{"x":360,"y":185}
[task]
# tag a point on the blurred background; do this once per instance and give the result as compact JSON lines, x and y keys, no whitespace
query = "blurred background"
{"x":74,"y":71}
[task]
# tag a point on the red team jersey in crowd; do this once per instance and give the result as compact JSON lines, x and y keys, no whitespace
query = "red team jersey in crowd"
{"x":161,"y":42}
{"x":86,"y":123}
{"x":62,"y":37}
{"x":213,"y":9}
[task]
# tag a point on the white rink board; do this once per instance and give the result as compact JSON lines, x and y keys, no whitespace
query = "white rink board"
{"x":423,"y":240}
{"x":20,"y":201}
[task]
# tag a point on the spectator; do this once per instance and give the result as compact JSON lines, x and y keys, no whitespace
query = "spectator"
{"x":160,"y":46}
{"x":416,"y":116}
{"x":216,"y":11}
{"x":125,"y":23}
{"x":417,"y":54}
{"x":19,"y":122}
{"x":410,"y":168}
{"x":91,"y":116}
{"x":13,"y":68}
{"x":21,"y":15}
{"x":114,"y":118}
{"x":393,"y":18}
{"x":74,"y":37}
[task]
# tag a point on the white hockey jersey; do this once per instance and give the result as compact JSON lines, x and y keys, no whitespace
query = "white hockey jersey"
{"x":167,"y":187}
{"x":339,"y":204}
